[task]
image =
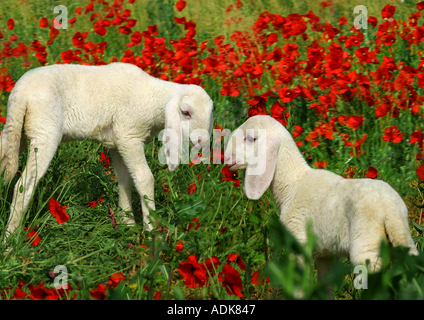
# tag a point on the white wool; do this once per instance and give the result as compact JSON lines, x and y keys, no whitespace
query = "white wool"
{"x":118,"y":105}
{"x":350,"y":216}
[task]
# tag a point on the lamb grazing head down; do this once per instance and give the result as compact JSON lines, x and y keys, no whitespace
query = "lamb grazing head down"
{"x":350,"y":216}
{"x":118,"y":105}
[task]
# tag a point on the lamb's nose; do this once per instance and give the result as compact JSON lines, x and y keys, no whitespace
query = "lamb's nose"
{"x":227,"y":159}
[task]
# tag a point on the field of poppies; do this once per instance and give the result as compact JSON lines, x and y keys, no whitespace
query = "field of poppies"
{"x":349,"y":90}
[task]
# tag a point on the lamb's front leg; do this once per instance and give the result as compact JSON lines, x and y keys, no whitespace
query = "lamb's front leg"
{"x":125,"y":183}
{"x":132,"y":153}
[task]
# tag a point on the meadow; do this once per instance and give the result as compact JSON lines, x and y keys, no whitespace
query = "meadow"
{"x":351,"y":97}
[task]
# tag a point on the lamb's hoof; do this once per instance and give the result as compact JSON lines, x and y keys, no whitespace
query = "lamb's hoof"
{"x":148,"y":227}
{"x":130,"y":222}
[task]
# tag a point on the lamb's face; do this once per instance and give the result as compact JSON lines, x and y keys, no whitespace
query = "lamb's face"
{"x":247,"y":145}
{"x":196,"y":116}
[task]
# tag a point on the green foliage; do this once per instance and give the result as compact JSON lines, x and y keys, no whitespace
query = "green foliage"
{"x":229,"y":223}
{"x":188,"y":208}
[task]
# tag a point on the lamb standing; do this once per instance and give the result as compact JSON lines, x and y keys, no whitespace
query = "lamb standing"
{"x":118,"y":105}
{"x":350,"y":216}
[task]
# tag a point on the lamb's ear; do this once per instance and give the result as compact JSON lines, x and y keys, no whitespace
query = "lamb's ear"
{"x":173,"y":125}
{"x":257,"y":178}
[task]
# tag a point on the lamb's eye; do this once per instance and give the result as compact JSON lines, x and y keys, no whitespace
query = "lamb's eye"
{"x":251,"y":139}
{"x":186,"y":113}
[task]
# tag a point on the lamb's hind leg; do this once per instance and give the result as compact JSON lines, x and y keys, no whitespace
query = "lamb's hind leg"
{"x":41,"y":152}
{"x":364,"y":246}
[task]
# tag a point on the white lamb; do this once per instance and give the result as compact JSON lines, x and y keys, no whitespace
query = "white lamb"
{"x":350,"y":216}
{"x":118,"y":105}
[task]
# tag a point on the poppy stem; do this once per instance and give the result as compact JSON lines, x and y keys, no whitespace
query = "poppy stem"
{"x":169,"y":282}
{"x":88,"y":255}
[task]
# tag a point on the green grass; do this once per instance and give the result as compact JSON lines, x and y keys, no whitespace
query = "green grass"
{"x":93,"y":250}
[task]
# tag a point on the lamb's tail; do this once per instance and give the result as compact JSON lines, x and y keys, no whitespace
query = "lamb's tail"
{"x":11,"y":136}
{"x":398,"y":231}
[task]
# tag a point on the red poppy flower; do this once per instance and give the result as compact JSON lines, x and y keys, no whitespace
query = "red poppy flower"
{"x":372,"y":173}
{"x":58,"y":211}
{"x":44,"y":23}
{"x":212,"y":264}
{"x":33,"y":237}
{"x":92,"y":204}
{"x":222,"y":230}
{"x":257,"y":106}
{"x":350,"y":172}
{"x":388,"y":11}
{"x":192,"y":223}
{"x":179,"y":246}
{"x":230,"y":176}
{"x":420,"y":5}
{"x":272,"y":38}
{"x":89,"y":7}
{"x":287,"y":95}
{"x":40,"y":292}
{"x":19,"y":293}
{"x":36,"y":293}
{"x":157,"y":296}
{"x":10,"y":24}
{"x":355,"y":121}
{"x":366,"y":56}
{"x":280,"y":113}
{"x":417,"y":136}
{"x":232,"y":257}
{"x":382,"y":110}
{"x":393,"y":134}
{"x":115,"y":279}
{"x":342,"y":21}
{"x":357,"y":146}
{"x":78,"y":39}
{"x":104,"y":158}
{"x":192,"y":272}
{"x":420,"y":172}
{"x":320,"y":164}
{"x":372,"y":21}
{"x":165,"y":188}
{"x":51,"y":294}
{"x":180,"y":5}
{"x":99,"y":293}
{"x":297,"y":131}
{"x":255,"y":278}
{"x":232,"y":282}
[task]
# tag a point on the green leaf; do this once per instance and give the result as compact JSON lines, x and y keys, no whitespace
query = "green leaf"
{"x":122,"y":292}
{"x":253,"y":218}
{"x":189,"y":208}
{"x":178,"y":293}
{"x":417,"y":227}
{"x":418,"y":206}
